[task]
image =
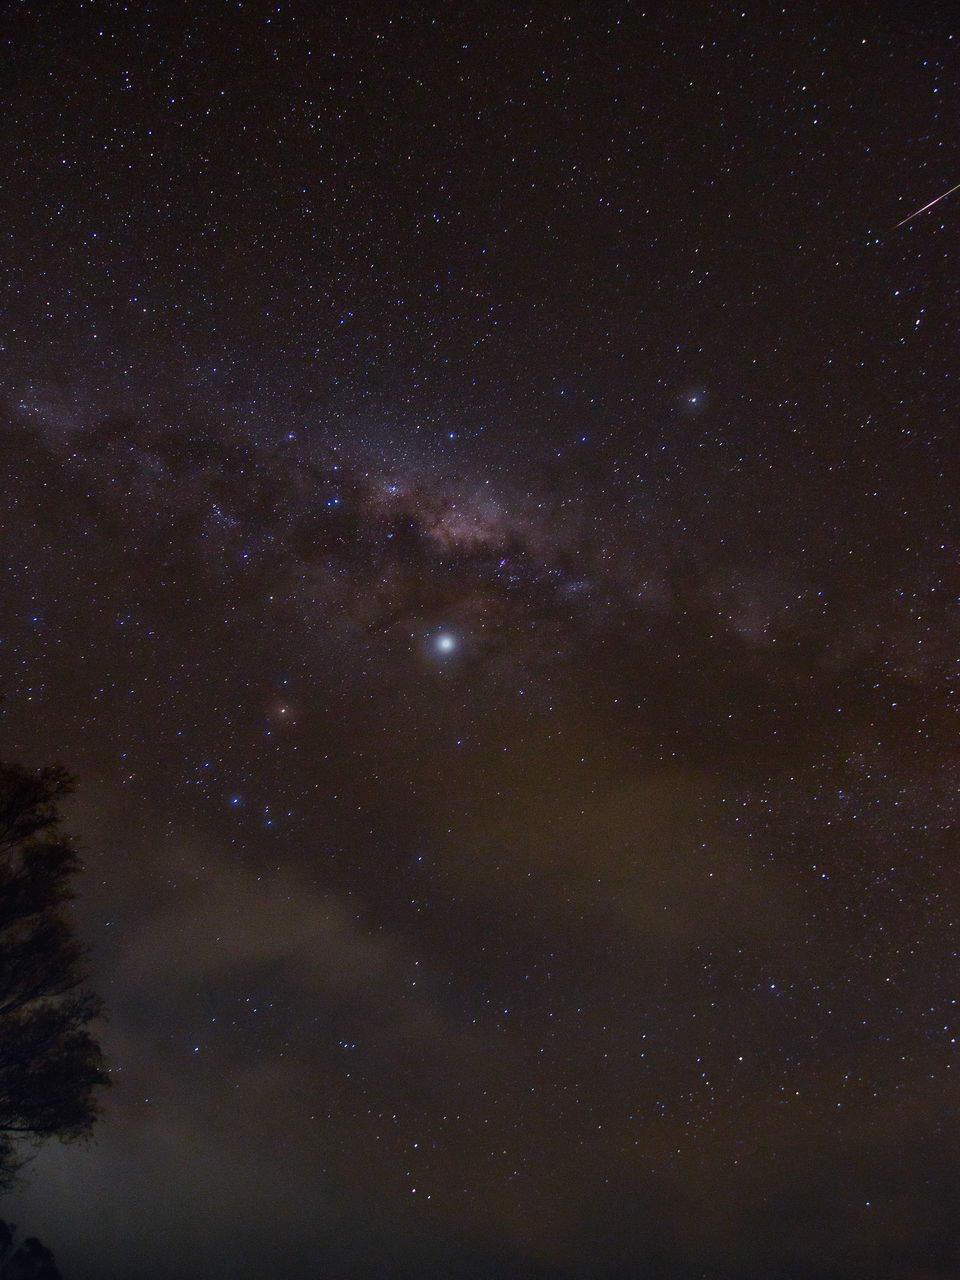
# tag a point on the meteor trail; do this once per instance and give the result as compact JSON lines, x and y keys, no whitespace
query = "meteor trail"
{"x":928,"y":206}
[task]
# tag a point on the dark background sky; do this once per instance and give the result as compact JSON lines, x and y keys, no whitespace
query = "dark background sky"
{"x":478,"y":519}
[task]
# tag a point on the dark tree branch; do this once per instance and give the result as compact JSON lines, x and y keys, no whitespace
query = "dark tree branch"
{"x":51,"y":1067}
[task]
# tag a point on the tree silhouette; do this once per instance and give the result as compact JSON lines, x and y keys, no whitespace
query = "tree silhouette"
{"x":50,"y":1064}
{"x":29,"y":1261}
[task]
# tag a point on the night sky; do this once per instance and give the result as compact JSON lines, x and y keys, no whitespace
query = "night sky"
{"x":479,"y":523}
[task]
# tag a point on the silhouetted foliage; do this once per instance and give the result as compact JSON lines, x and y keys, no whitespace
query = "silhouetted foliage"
{"x":50,"y":1064}
{"x":30,"y":1260}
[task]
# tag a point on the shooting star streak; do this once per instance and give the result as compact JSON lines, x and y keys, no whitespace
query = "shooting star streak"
{"x":928,"y":206}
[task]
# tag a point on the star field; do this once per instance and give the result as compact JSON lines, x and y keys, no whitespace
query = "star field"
{"x":479,"y":522}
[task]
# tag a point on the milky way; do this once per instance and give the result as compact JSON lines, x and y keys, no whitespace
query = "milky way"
{"x":479,"y":524}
